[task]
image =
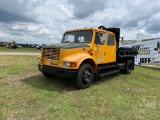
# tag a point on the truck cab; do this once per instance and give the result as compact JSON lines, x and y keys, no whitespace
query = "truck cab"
{"x":85,"y":55}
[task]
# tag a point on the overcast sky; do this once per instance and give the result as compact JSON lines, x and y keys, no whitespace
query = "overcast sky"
{"x":44,"y":21}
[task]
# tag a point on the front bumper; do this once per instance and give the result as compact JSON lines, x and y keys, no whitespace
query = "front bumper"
{"x":59,"y":72}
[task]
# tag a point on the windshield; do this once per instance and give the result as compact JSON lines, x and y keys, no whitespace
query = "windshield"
{"x":77,"y":37}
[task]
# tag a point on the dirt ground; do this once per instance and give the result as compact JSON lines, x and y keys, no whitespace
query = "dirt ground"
{"x":19,"y":53}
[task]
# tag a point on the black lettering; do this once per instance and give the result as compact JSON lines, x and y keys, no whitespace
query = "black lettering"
{"x":149,"y":60}
{"x":137,"y":47}
{"x":145,"y":60}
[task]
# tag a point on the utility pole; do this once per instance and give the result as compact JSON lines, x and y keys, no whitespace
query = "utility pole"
{"x":137,"y":36}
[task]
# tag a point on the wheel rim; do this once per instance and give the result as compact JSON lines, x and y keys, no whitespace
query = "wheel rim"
{"x":87,"y":77}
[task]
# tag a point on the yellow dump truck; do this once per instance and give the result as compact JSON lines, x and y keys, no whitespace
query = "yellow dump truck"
{"x":85,"y":55}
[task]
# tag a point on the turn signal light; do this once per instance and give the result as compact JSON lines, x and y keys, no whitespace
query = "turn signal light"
{"x":73,"y":64}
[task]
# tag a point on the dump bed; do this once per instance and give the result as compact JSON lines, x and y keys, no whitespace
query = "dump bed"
{"x":127,"y":52}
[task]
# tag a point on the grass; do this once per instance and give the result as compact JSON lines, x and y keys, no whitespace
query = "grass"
{"x":4,"y":49}
{"x":26,"y":94}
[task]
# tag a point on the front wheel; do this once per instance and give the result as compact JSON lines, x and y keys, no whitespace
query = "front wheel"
{"x":85,"y":76}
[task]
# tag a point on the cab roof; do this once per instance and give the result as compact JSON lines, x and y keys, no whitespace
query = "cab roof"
{"x":116,"y":31}
{"x":96,"y":29}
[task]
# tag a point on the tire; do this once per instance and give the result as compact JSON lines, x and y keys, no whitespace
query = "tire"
{"x":48,"y":75}
{"x":129,"y":67}
{"x":85,"y":76}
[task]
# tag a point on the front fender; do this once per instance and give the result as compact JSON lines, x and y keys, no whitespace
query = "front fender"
{"x":79,"y":58}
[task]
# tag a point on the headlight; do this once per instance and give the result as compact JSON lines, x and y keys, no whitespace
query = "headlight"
{"x":39,"y":60}
{"x":66,"y":63}
{"x":70,"y":64}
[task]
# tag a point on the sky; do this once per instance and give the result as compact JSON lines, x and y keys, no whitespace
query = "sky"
{"x":45,"y":21}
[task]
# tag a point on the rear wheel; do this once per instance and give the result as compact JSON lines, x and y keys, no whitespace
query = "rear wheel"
{"x":85,"y":76}
{"x":129,"y":67}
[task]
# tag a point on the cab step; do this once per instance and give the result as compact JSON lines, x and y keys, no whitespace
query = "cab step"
{"x":107,"y":66}
{"x":108,"y":73}
{"x":112,"y":66}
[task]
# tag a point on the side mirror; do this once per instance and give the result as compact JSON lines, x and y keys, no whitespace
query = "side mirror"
{"x":155,"y":49}
{"x":121,"y":39}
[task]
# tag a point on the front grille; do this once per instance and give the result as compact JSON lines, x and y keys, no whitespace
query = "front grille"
{"x":51,"y":53}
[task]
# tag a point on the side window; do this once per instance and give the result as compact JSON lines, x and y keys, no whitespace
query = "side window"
{"x":97,"y":38}
{"x":110,"y":40}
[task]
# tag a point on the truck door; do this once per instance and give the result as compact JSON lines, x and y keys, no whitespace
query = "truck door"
{"x":111,"y":49}
{"x":99,"y":49}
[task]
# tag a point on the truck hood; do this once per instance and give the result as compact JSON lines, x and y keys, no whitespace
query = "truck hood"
{"x":67,"y":45}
